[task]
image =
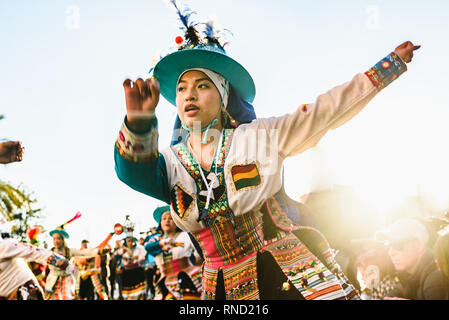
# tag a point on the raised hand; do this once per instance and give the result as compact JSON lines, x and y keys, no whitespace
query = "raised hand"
{"x":11,"y":151}
{"x":141,"y":98}
{"x":405,"y":51}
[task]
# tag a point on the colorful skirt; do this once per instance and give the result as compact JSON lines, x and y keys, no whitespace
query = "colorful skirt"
{"x":180,"y":280}
{"x":134,"y":285}
{"x":98,"y":286}
{"x":238,"y":255}
{"x":64,"y":289}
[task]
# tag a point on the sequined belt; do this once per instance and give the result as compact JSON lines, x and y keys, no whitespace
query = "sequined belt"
{"x":175,"y":266}
{"x":230,"y":240}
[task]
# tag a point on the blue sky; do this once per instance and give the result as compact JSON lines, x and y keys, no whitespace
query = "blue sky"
{"x":63,"y":64}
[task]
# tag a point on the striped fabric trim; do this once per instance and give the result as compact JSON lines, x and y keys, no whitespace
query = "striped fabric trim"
{"x":191,"y":296}
{"x":306,"y":272}
{"x":171,"y":266}
{"x":188,"y":161}
{"x":209,"y":283}
{"x":54,"y":259}
{"x":135,"y":293}
{"x":231,"y":245}
{"x":195,"y":275}
{"x":64,"y":289}
{"x":219,"y":207}
{"x":229,"y":240}
{"x":138,"y":148}
{"x":171,"y":282}
{"x":240,"y":280}
{"x":386,"y":71}
{"x":98,"y":287}
{"x":225,"y":146}
{"x":248,"y":231}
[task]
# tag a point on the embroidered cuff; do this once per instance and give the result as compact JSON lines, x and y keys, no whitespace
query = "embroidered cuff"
{"x":386,"y":71}
{"x":54,"y":259}
{"x":138,"y":147}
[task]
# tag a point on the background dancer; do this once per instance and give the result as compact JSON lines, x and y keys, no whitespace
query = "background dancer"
{"x":17,"y":281}
{"x":172,"y":248}
{"x":221,"y":182}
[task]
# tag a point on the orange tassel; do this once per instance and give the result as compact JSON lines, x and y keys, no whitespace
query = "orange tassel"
{"x":105,"y":241}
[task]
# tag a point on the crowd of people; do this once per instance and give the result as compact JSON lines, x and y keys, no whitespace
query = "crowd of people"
{"x":407,"y":260}
{"x":229,"y":231}
{"x":163,"y":265}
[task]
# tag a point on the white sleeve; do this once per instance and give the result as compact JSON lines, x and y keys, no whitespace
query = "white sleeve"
{"x":304,"y":128}
{"x":10,"y":249}
{"x":184,"y":238}
{"x":91,"y":252}
{"x":142,"y":253}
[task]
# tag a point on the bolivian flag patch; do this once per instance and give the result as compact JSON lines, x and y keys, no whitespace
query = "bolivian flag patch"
{"x":245,"y":176}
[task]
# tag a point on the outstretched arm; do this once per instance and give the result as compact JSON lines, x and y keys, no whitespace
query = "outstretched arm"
{"x":11,"y":249}
{"x":304,"y":128}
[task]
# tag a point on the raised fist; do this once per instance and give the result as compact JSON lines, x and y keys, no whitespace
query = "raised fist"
{"x":405,"y":51}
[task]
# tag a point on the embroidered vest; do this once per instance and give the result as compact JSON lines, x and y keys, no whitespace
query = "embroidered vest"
{"x":231,"y":242}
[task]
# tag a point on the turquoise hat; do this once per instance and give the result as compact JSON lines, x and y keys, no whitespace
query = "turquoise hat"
{"x":61,"y":231}
{"x":169,"y":68}
{"x":157,"y":214}
{"x":199,"y":51}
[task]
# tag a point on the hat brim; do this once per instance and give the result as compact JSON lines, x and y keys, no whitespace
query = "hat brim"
{"x":169,"y":68}
{"x":387,"y":235}
{"x":366,"y":242}
{"x":61,"y":232}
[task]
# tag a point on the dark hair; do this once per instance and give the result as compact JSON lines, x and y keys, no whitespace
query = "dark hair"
{"x":128,"y":237}
{"x":238,"y":108}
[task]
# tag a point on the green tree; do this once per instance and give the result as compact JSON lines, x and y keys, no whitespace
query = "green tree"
{"x":18,"y":205}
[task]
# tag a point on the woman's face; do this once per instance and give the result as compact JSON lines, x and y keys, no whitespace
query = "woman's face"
{"x":129,"y":242}
{"x":167,"y":223}
{"x":197,"y":99}
{"x":58,"y":241}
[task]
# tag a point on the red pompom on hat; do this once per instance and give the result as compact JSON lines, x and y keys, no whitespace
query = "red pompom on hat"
{"x":179,"y":40}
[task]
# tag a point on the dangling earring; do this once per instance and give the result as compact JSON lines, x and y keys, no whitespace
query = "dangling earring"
{"x":230,"y":120}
